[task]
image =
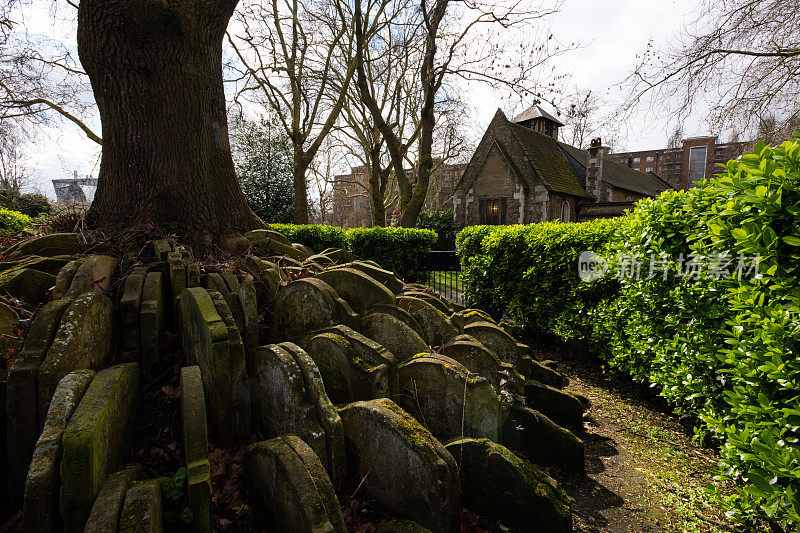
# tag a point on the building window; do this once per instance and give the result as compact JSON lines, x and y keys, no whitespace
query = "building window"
{"x":636,"y":160}
{"x":565,"y":211}
{"x":697,"y":163}
{"x":492,"y":212}
{"x":649,"y":158}
{"x":648,"y":169}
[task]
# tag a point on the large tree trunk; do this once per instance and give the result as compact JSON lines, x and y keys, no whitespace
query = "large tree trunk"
{"x":156,"y":72}
{"x":300,"y":193}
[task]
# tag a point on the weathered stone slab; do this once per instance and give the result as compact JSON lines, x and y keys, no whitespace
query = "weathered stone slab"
{"x":206,"y":343}
{"x":264,"y":235}
{"x":542,"y":373}
{"x":479,"y":360}
{"x":266,"y":276}
{"x":449,"y":400}
{"x":321,"y":259}
{"x":27,"y":285}
{"x":143,"y":511}
{"x":50,"y":265}
{"x":385,"y":277}
{"x":84,"y":340}
{"x":357,"y":288}
{"x":347,"y":376}
{"x":401,"y":526}
{"x":400,"y":314}
{"x":152,"y":317}
{"x":46,"y":245}
{"x":94,"y":274}
{"x":129,"y":305}
{"x":237,"y":367}
{"x":10,"y":341}
{"x":403,"y":467}
{"x":291,"y":488}
{"x":435,"y":301}
{"x":305,"y":305}
{"x":161,"y":248}
{"x":269,"y":242}
{"x":561,"y":407}
{"x":177,"y":274}
{"x":340,"y":256}
{"x":107,"y":507}
{"x":436,"y":327}
{"x":503,"y":345}
{"x":195,"y":447}
{"x":303,"y":248}
{"x":213,"y":281}
{"x":289,"y":398}
{"x":248,"y":301}
{"x":40,"y":511}
{"x":95,"y":440}
{"x":230,"y":279}
{"x":64,"y":277}
{"x":496,"y":483}
{"x":23,"y":428}
{"x":541,"y":440}
{"x":193,"y":275}
{"x":393,"y":335}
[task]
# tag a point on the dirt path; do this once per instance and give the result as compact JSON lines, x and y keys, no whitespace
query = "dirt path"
{"x":645,"y":474}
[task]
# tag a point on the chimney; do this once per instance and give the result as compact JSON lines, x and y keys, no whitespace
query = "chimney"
{"x":594,"y":167}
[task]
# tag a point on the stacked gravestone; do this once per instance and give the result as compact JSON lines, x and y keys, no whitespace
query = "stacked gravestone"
{"x":195,"y":447}
{"x":107,"y":506}
{"x":142,"y":511}
{"x":152,"y":318}
{"x":94,"y":442}
{"x":129,"y":308}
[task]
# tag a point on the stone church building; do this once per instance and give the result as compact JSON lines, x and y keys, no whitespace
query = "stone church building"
{"x":520,"y":173}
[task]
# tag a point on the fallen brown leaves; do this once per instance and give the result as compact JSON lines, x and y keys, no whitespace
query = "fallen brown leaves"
{"x":231,"y":511}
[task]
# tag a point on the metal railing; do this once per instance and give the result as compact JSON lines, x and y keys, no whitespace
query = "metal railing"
{"x":441,"y":271}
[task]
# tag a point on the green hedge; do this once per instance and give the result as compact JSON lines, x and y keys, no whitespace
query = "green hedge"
{"x":13,"y":221}
{"x":395,"y":249}
{"x":723,"y":348}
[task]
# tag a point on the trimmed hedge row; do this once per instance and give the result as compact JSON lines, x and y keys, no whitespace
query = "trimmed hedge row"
{"x":701,"y":299}
{"x":395,"y":249}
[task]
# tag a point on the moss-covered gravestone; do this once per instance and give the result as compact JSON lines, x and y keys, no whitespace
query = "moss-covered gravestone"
{"x":496,"y":339}
{"x":95,"y":441}
{"x":357,"y":288}
{"x":290,"y":487}
{"x":532,"y":434}
{"x":289,"y":398}
{"x":195,"y":448}
{"x":448,"y":399}
{"x":94,"y":274}
{"x":152,"y":317}
{"x":142,"y":511}
{"x":437,"y":328}
{"x":479,"y":360}
{"x":393,"y":335}
{"x":46,"y":245}
{"x":403,"y":467}
{"x":129,"y":306}
{"x":40,"y":511}
{"x":306,"y":305}
{"x":496,"y":483}
{"x":107,"y":507}
{"x":84,"y":339}
{"x":27,"y":285}
{"x":561,"y":407}
{"x":64,"y":277}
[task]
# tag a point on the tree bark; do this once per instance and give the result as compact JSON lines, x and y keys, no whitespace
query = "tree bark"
{"x":156,"y":73}
{"x":300,"y":215}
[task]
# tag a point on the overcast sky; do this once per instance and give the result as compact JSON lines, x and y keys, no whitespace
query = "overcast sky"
{"x":611,"y":34}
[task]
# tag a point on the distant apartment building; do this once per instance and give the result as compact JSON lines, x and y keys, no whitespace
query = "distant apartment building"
{"x":681,"y":168}
{"x":351,"y":195}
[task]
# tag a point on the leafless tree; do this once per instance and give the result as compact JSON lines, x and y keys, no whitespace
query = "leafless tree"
{"x":14,"y":173}
{"x":581,"y":120}
{"x":772,"y":131}
{"x":449,"y":46}
{"x":40,"y":79}
{"x":676,"y":138}
{"x":740,"y":57}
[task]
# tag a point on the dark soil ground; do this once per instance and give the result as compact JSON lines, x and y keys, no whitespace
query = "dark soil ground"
{"x":644,"y":471}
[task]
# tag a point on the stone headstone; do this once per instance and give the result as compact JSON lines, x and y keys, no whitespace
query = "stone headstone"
{"x":305,"y":305}
{"x":177,"y":275}
{"x":265,"y":235}
{"x":40,"y":511}
{"x":206,"y":343}
{"x":449,"y":400}
{"x":95,"y":440}
{"x":50,"y":265}
{"x":84,"y":339}
{"x":107,"y":507}
{"x":289,"y":398}
{"x":195,"y":448}
{"x":496,"y":339}
{"x":161,"y":248}
{"x":129,"y":305}
{"x":393,"y":335}
{"x":339,"y":256}
{"x":289,"y":484}
{"x":142,"y":511}
{"x":29,"y":286}
{"x":436,"y":327}
{"x":403,"y":467}
{"x":561,"y":407}
{"x":396,"y":525}
{"x":479,"y":360}
{"x":94,"y":274}
{"x":496,"y":483}
{"x":46,"y":245}
{"x":23,"y":427}
{"x":357,"y":288}
{"x":400,"y":314}
{"x":64,"y":277}
{"x":152,"y":317}
{"x":541,"y":373}
{"x":303,"y":248}
{"x":530,"y":433}
{"x":435,"y":301}
{"x":377,"y":273}
{"x":248,"y":301}
{"x":268,"y":242}
{"x":321,"y":259}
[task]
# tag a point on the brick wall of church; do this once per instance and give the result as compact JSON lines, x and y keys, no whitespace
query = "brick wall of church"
{"x":495,"y":180}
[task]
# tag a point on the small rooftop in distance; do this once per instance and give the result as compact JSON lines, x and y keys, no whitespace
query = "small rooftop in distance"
{"x":535,"y":112}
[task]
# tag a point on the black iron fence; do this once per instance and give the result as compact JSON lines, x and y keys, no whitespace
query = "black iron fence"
{"x":441,"y":271}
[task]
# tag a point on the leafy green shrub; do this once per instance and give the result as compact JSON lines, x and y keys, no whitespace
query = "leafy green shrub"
{"x":317,"y":236}
{"x":395,"y":249}
{"x":13,"y":221}
{"x":701,"y":300}
{"x":33,"y":204}
{"x":529,"y":273}
{"x":443,"y":222}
